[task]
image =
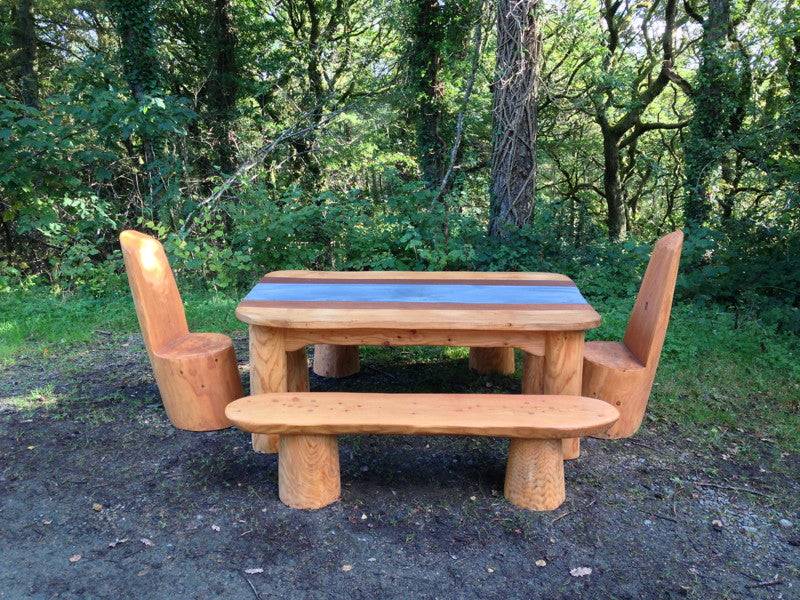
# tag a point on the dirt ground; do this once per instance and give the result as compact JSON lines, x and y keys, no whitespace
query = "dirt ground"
{"x":101,"y":498}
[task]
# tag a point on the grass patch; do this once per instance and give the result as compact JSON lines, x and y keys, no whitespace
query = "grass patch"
{"x":38,"y":321}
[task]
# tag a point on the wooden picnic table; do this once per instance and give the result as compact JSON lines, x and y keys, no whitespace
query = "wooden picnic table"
{"x":540,"y":313}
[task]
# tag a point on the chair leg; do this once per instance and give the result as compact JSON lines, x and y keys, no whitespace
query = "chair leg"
{"x":336,"y":361}
{"x":488,"y":361}
{"x":535,"y":474}
{"x":308,"y":470}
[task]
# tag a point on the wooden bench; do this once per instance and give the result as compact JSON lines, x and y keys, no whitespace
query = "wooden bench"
{"x":308,"y":423}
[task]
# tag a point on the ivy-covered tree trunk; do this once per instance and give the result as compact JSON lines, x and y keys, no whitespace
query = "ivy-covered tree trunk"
{"x":714,"y":96}
{"x":790,"y":51}
{"x":24,"y":41}
{"x":223,"y":85}
{"x":514,"y":93}
{"x":425,"y":62}
{"x":135,"y":24}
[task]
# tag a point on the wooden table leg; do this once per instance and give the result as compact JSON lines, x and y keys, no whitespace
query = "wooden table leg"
{"x":563,"y":372}
{"x":535,"y":474}
{"x":268,"y":373}
{"x":488,"y":361}
{"x":297,"y":371}
{"x":308,"y":470}
{"x":335,"y":361}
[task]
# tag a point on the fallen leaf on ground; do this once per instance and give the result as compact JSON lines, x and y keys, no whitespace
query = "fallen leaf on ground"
{"x":74,"y":558}
{"x":253,"y":571}
{"x":347,"y":568}
{"x":580,"y":571}
{"x":97,"y":507}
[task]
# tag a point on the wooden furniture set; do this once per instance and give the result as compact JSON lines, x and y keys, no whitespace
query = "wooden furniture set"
{"x":569,"y":389}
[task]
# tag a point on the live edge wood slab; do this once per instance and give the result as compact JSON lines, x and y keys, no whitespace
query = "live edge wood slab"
{"x":288,"y":310}
{"x":308,"y":470}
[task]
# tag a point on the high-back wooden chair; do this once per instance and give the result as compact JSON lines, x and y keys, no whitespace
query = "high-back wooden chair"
{"x":622,"y":373}
{"x":196,"y":372}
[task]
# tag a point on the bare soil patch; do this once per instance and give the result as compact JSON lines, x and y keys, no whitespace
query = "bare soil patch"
{"x":91,"y":468}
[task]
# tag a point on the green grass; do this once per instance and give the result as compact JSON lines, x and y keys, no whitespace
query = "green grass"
{"x":38,"y":321}
{"x":716,"y":376}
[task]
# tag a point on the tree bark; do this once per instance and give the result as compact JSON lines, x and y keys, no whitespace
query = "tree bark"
{"x":23,"y":36}
{"x":513,"y":183}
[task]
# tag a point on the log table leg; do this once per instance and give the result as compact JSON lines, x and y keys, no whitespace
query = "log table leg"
{"x":297,"y":371}
{"x":308,"y":470}
{"x":268,"y":373}
{"x":535,"y":474}
{"x":335,"y":361}
{"x":563,"y":372}
{"x":487,"y":361}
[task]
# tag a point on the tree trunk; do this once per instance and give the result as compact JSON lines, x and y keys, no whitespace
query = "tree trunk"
{"x":615,"y":216}
{"x":24,"y":40}
{"x":513,"y":184}
{"x":135,"y":25}
{"x":712,"y":98}
{"x":425,"y":66}
{"x":223,"y":86}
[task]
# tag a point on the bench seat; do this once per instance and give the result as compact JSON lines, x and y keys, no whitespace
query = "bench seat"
{"x":308,"y":469}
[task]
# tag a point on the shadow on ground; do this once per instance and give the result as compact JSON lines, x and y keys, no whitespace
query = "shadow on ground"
{"x":92,"y":469}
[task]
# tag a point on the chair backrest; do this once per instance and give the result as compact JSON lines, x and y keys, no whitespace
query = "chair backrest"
{"x":158,"y":302}
{"x":647,"y":325}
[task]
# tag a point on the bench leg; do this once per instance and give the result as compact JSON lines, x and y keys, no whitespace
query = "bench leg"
{"x":487,"y":361}
{"x":308,"y":470}
{"x":336,"y":361}
{"x":535,"y":474}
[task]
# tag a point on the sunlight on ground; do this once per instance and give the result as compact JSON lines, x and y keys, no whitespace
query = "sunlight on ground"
{"x":43,"y":397}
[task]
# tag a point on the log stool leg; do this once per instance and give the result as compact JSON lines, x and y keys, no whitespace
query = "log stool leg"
{"x":535,"y":474}
{"x":335,"y":361}
{"x":563,"y":373}
{"x":488,"y":361}
{"x":308,"y":470}
{"x":268,"y":373}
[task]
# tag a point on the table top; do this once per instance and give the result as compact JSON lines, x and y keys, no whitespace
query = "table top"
{"x":417,"y":300}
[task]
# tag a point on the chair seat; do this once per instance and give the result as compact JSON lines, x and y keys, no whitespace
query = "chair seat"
{"x":613,"y":355}
{"x":195,"y":345}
